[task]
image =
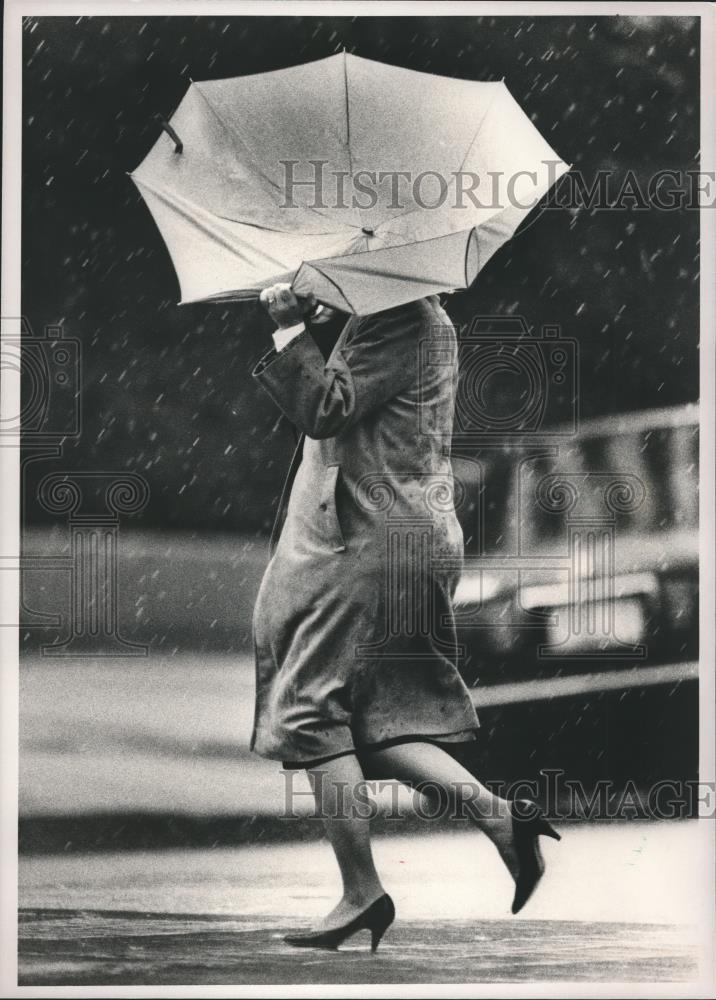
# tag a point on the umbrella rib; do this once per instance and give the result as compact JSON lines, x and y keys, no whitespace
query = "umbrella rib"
{"x":393,"y":277}
{"x":413,"y":243}
{"x":472,"y":141}
{"x":175,"y":203}
{"x":416,"y":208}
{"x":376,"y":272}
{"x":467,"y":253}
{"x":389,"y":232}
{"x":254,"y":162}
{"x":230,"y":134}
{"x":335,"y":284}
{"x":289,"y":232}
{"x":348,"y":112}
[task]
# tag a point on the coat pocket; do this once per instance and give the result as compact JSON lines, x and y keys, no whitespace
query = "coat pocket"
{"x":327,"y":509}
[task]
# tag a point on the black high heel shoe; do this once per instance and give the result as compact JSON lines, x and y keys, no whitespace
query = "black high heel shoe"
{"x":528,"y":824}
{"x":377,"y":918}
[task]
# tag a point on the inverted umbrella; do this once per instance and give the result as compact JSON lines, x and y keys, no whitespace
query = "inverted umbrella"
{"x":366,"y":184}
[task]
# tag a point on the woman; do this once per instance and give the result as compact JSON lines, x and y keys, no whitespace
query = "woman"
{"x":353,"y":628}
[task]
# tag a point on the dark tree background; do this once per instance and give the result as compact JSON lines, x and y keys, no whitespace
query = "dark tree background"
{"x":167,"y":390}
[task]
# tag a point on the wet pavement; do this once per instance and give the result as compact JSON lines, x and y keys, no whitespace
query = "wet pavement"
{"x":98,"y":948}
{"x":170,"y":736}
{"x":616,"y":905}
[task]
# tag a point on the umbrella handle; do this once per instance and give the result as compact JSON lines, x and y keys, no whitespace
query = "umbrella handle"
{"x":254,"y":297}
{"x":178,"y":144}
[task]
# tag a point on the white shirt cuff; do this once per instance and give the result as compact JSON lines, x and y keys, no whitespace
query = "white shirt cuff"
{"x":286,"y":334}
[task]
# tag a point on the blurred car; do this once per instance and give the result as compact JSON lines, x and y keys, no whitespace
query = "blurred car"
{"x":577,"y":611}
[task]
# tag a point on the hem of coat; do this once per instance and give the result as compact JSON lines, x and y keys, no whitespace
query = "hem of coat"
{"x":454,"y":737}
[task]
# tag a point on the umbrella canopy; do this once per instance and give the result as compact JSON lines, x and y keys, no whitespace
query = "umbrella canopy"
{"x":366,"y":184}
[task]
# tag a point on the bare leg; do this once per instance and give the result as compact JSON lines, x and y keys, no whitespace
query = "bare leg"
{"x":432,"y":771}
{"x":334,"y":786}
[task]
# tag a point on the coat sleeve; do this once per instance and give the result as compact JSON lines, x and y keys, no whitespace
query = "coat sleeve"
{"x":379,"y":360}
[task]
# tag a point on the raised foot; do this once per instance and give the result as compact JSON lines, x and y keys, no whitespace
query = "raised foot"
{"x":528,"y":825}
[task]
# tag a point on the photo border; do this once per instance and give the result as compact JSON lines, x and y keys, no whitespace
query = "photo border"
{"x":15,"y":10}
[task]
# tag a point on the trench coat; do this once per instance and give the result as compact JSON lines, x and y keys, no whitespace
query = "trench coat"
{"x":353,"y":626}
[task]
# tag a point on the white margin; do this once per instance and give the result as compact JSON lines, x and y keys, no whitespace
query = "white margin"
{"x":9,"y":469}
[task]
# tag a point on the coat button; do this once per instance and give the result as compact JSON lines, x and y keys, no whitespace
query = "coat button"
{"x":323,"y":506}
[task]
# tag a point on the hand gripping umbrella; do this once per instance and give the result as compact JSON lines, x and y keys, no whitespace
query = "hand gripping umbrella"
{"x":366,"y":184}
